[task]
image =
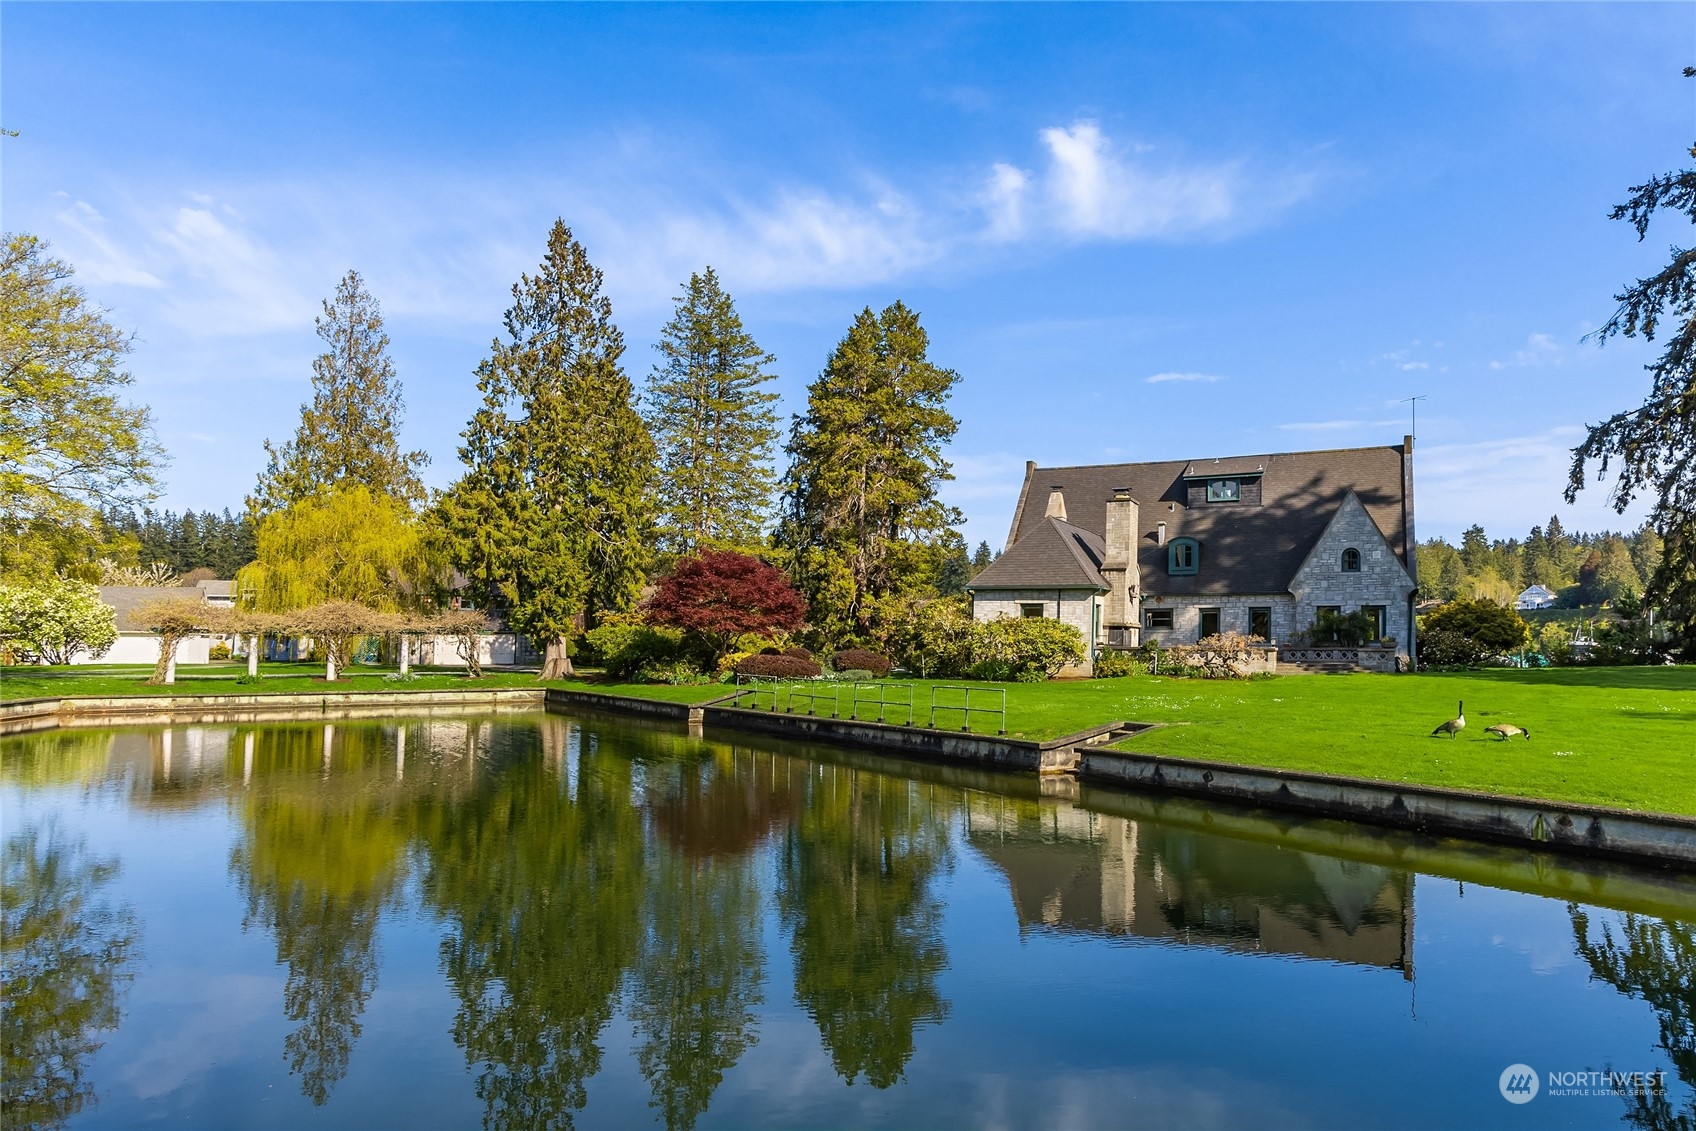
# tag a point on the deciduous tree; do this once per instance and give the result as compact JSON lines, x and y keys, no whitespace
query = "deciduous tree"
{"x":550,"y":520}
{"x":69,"y":444}
{"x":347,"y":432}
{"x":54,"y":620}
{"x":349,"y":544}
{"x":713,"y":424}
{"x":862,"y":519}
{"x":720,"y":594}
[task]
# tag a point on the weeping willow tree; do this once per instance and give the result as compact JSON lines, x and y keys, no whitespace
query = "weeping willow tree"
{"x":352,"y":544}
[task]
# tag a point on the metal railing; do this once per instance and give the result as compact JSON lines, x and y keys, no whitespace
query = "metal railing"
{"x":893,"y":702}
{"x":965,"y":708}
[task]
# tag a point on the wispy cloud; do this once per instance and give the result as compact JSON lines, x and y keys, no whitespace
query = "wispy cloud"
{"x":1540,"y":350}
{"x":1094,"y":189}
{"x":1164,"y":378}
{"x":1525,"y":475}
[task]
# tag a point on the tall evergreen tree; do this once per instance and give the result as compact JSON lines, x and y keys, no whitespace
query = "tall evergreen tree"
{"x":347,"y":433}
{"x":862,"y":519}
{"x":550,"y":520}
{"x":713,"y":425}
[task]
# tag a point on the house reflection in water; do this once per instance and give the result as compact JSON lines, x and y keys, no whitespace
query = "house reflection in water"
{"x":1070,"y":869}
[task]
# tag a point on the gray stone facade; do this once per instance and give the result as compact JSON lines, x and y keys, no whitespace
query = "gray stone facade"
{"x":1380,"y":581}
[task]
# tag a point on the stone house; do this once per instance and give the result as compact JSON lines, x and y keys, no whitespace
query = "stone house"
{"x":1179,"y":550}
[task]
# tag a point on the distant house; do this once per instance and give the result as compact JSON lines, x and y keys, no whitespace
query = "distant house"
{"x":138,"y":644}
{"x":1179,"y":550}
{"x":1535,"y":597}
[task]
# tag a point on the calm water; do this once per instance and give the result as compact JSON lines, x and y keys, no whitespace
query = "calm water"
{"x":540,"y":921}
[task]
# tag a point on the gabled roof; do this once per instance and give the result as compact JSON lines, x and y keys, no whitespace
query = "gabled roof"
{"x":125,"y":599}
{"x":1053,"y":555}
{"x":1246,"y":548}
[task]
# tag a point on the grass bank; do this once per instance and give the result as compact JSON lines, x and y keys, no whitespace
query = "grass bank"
{"x":292,"y":679}
{"x":1622,"y":737}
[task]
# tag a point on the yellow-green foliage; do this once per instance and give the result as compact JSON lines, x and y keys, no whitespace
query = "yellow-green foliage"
{"x":350,"y":545}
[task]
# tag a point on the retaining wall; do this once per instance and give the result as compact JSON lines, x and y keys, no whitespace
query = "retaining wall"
{"x":1586,"y":829}
{"x":44,"y":714}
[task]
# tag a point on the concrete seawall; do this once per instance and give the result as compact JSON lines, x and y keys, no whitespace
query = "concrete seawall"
{"x":30,"y":715}
{"x":1584,"y":829}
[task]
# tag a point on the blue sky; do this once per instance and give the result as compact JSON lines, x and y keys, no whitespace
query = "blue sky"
{"x":1154,"y":231}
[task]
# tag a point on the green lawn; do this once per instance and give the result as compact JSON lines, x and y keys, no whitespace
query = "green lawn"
{"x":1608,"y":736}
{"x":220,"y":679}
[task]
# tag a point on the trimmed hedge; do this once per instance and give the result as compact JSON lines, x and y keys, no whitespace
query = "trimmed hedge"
{"x":861,"y":660}
{"x":778,"y":667}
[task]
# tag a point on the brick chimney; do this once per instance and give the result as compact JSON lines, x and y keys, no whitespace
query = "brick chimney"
{"x":1121,"y":614}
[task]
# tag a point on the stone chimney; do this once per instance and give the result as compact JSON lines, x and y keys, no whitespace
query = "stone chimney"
{"x":1056,"y":504}
{"x":1121,"y":615}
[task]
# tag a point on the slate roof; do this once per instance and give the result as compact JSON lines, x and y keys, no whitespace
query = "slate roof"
{"x":127,"y":598}
{"x":1246,"y":548}
{"x":1053,"y":555}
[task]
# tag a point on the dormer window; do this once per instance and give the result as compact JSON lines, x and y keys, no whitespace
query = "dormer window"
{"x":1224,"y":490}
{"x":1351,"y":560}
{"x":1183,"y":555}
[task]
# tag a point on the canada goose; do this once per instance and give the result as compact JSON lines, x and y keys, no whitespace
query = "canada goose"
{"x":1455,"y":725}
{"x":1506,"y":731}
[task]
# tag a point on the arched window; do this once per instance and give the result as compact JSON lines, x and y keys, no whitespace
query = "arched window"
{"x":1351,"y":560}
{"x":1183,"y":555}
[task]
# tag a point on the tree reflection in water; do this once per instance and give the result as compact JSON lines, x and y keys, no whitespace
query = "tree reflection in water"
{"x":854,"y":888}
{"x":323,"y":856}
{"x":1653,"y":959}
{"x":698,"y":981}
{"x":66,"y":954}
{"x":542,"y":886}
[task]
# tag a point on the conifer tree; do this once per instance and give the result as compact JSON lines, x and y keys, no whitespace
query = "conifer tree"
{"x":550,"y":520}
{"x":712,"y":423}
{"x":347,"y":432}
{"x":862,"y":520}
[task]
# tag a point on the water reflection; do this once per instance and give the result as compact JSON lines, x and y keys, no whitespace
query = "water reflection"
{"x":1071,"y":869}
{"x":1654,"y":960}
{"x":585,"y":883}
{"x":66,"y":954}
{"x":855,"y":891}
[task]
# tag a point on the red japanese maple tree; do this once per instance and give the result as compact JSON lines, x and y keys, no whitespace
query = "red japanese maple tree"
{"x":720,"y":594}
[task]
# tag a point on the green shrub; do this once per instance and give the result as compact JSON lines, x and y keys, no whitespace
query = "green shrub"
{"x":1033,"y":647}
{"x":1496,"y":628}
{"x":858,"y":675}
{"x":1113,"y":663}
{"x":634,"y":651}
{"x":1443,"y":648}
{"x":218,"y":651}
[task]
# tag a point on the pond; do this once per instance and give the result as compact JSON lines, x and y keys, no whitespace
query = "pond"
{"x":541,"y":920}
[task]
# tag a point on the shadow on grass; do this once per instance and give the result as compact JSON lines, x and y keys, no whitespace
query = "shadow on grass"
{"x":1675,"y":678}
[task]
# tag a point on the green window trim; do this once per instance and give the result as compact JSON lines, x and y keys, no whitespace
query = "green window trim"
{"x":1224,"y":490}
{"x":1351,"y":560}
{"x":1183,"y":556}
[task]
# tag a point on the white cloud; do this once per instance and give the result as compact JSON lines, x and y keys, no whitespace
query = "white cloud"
{"x":1004,"y":200}
{"x":1508,"y":484}
{"x":100,"y":261}
{"x":1163,"y":378}
{"x":1540,"y":350}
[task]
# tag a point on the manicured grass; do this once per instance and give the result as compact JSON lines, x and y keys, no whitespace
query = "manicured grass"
{"x":279,"y":679}
{"x":1623,"y":737}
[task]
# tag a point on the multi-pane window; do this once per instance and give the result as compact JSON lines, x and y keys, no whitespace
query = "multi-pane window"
{"x":1157,"y":618}
{"x":1351,"y":560}
{"x":1031,"y":611}
{"x":1183,"y":556}
{"x":1260,"y":622}
{"x":1377,"y":613}
{"x":1223,"y":490}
